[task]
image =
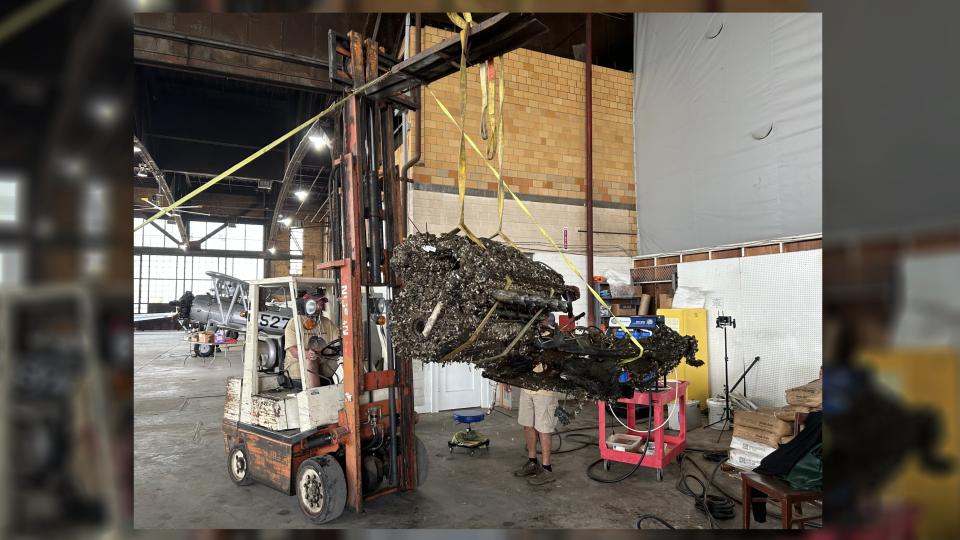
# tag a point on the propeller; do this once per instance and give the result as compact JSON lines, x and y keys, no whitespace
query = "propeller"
{"x":182,"y":209}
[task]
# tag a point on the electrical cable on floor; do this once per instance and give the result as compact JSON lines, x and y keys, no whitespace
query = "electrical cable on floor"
{"x":709,"y":455}
{"x":714,"y":506}
{"x":653,"y":517}
{"x":735,"y":499}
{"x":643,"y":454}
{"x":585,"y":441}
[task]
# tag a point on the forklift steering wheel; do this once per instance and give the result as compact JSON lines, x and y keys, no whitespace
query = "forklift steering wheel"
{"x":334,"y":348}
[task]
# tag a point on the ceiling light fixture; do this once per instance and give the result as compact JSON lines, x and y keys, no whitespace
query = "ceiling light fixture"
{"x":272,"y":250}
{"x":319,"y":140}
{"x":286,"y":221}
{"x":136,"y":149}
{"x":301,"y":195}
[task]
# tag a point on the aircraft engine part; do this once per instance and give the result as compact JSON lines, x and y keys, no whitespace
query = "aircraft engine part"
{"x":206,"y":312}
{"x":487,"y":307}
{"x":269,"y":353}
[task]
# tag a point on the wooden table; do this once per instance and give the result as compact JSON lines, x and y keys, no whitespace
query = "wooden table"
{"x":777,"y":491}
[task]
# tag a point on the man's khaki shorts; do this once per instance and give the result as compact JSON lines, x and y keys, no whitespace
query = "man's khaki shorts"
{"x":537,"y":411}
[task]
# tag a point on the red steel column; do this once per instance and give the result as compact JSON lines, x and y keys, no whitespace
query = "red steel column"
{"x":350,"y":303}
{"x":588,"y":129}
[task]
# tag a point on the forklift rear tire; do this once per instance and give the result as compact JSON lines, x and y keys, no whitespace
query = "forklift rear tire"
{"x":238,"y":466}
{"x":321,"y":489}
{"x":423,"y":462}
{"x":204,"y":349}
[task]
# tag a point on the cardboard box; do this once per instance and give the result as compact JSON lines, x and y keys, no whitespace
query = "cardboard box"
{"x":808,"y":395}
{"x":751,"y":447}
{"x":744,"y":460}
{"x":764,"y":419}
{"x":788,"y":413}
{"x":204,"y":337}
{"x":664,"y":301}
{"x":756,"y":435}
{"x":623,"y":310}
{"x":625,"y":291}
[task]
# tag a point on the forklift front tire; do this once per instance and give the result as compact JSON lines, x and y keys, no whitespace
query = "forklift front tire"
{"x":238,"y":466}
{"x":423,"y":461}
{"x":321,"y":489}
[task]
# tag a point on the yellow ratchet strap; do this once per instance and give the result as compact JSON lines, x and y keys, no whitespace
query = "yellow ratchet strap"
{"x":543,"y":232}
{"x":464,"y":23}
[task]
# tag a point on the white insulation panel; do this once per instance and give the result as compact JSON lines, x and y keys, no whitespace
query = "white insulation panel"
{"x":777,"y":303}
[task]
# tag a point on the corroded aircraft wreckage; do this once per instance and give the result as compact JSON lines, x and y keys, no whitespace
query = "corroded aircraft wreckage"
{"x":489,"y":307}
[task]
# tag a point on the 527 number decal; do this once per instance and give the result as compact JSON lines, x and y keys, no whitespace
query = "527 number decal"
{"x":272,"y":321}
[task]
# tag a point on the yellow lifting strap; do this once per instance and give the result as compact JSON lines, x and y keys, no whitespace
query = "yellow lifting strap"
{"x":464,"y":23}
{"x":206,"y":185}
{"x":486,"y":85}
{"x":488,"y":106}
{"x":543,"y":231}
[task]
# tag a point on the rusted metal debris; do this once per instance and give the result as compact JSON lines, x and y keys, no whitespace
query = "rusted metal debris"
{"x":488,"y":307}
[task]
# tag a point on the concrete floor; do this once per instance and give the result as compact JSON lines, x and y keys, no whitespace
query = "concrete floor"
{"x":181,"y":481}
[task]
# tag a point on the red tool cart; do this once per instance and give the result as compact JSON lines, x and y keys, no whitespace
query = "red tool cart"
{"x":666,"y":446}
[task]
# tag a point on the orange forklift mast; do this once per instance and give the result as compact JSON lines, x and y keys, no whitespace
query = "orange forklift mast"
{"x":372,"y":215}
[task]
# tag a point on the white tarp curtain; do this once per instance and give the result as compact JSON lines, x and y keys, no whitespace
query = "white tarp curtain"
{"x":727,"y":128}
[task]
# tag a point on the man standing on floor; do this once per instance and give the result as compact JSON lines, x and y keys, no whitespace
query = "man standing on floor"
{"x":537,"y":416}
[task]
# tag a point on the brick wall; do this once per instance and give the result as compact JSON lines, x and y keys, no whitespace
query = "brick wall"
{"x":544,"y":153}
{"x":316,"y":249}
{"x":282,"y":243}
{"x":544,"y":126}
{"x":440,"y":212}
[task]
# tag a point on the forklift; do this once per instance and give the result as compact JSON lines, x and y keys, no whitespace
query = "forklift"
{"x":301,"y":441}
{"x":351,"y":440}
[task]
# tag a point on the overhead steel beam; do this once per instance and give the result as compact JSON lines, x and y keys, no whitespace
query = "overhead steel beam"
{"x":162,"y":183}
{"x":208,"y":236}
{"x":165,"y":233}
{"x":235,"y":253}
{"x":235,"y":47}
{"x":293,"y":166}
{"x":174,"y":50}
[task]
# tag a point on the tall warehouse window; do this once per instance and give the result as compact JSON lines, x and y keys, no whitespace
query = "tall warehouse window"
{"x":296,"y":248}
{"x":158,"y":279}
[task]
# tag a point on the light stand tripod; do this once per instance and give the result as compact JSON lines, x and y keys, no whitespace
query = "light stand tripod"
{"x":724,"y":321}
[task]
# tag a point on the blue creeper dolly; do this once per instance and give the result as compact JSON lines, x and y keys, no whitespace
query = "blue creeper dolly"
{"x":469,"y":438}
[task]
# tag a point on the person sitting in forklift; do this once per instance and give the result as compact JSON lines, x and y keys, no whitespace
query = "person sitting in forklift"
{"x":318,"y":332}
